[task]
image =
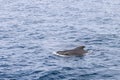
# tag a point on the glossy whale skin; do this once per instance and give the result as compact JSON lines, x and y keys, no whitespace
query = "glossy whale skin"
{"x":79,"y":51}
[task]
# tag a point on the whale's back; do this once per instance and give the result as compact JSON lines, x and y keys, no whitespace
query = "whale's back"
{"x":79,"y":51}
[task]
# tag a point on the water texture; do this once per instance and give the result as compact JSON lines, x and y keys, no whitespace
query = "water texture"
{"x":31,"y":30}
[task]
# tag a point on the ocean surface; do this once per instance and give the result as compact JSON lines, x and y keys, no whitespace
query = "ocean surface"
{"x":31,"y":30}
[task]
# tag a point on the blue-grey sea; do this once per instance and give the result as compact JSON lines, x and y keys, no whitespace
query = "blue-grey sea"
{"x":31,"y":30}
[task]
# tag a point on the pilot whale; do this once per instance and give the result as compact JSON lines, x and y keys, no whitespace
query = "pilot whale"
{"x":79,"y":51}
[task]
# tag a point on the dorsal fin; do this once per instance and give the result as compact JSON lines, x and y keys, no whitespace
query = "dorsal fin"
{"x":80,"y":47}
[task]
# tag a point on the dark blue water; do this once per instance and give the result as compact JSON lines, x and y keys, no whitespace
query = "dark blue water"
{"x":31,"y":30}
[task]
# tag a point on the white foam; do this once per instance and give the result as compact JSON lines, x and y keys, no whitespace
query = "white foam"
{"x":59,"y":54}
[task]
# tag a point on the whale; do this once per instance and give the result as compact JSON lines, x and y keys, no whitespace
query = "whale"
{"x":78,"y":51}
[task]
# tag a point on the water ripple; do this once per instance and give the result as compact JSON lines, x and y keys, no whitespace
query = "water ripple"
{"x":30,"y":31}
